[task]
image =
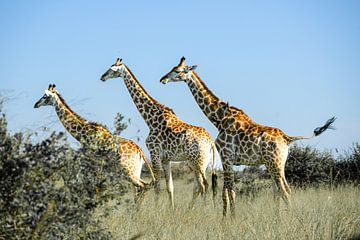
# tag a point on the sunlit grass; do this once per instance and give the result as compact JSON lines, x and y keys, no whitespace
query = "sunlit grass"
{"x":314,"y":214}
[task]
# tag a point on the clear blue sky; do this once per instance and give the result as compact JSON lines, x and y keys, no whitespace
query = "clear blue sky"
{"x":288,"y":65}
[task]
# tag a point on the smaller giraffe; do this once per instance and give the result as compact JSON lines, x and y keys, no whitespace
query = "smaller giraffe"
{"x":97,"y":137}
{"x":170,"y":139}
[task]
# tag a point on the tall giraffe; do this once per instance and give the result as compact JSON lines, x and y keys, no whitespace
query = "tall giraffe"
{"x":169,"y":139}
{"x":240,"y":140}
{"x":97,"y":137}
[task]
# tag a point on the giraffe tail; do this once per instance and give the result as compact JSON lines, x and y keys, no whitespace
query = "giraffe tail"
{"x":214,"y":176}
{"x":317,"y":131}
{"x":149,"y":167}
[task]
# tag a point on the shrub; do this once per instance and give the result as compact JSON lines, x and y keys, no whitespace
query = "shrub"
{"x":252,"y":181}
{"x":49,"y":190}
{"x":347,"y":168}
{"x":307,"y":166}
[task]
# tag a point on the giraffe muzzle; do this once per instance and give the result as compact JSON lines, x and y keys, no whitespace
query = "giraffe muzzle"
{"x":164,"y":80}
{"x":103,"y":78}
{"x":37,"y":104}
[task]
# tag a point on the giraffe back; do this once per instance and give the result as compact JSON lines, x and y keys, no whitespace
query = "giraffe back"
{"x":247,"y":142}
{"x":179,"y":140}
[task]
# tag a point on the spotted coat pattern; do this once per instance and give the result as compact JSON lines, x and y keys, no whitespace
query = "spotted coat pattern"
{"x":97,"y":137}
{"x":169,"y":139}
{"x":240,"y":140}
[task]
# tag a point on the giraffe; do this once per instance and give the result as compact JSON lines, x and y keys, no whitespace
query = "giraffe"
{"x":95,"y":137}
{"x":169,"y":139}
{"x":240,"y":140}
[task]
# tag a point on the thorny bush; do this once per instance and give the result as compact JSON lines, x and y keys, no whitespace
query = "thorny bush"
{"x":48,"y":190}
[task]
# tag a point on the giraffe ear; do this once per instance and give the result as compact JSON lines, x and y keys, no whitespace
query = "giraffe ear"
{"x":182,"y":62}
{"x":193,"y":67}
{"x":190,"y":68}
{"x":50,"y":86}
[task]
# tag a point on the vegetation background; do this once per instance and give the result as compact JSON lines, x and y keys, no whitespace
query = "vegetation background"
{"x":48,"y":190}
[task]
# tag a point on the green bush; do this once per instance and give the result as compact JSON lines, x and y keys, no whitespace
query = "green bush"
{"x":49,"y":190}
{"x":252,"y":181}
{"x":307,"y":166}
{"x":347,"y":168}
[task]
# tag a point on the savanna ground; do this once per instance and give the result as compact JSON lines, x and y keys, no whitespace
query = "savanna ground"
{"x":315,"y":213}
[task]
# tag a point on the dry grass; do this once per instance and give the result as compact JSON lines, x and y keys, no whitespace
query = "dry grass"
{"x":314,"y":214}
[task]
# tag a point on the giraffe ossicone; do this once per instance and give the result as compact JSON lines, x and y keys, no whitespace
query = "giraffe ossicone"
{"x":240,"y":140}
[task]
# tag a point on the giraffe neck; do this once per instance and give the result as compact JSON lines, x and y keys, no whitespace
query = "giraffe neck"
{"x":150,"y":109}
{"x":211,"y":105}
{"x":70,"y":120}
{"x":87,"y":133}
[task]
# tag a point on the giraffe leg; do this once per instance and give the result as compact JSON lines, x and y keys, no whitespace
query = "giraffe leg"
{"x":206,"y":186}
{"x":154,"y":148}
{"x":136,"y":194}
{"x":169,"y":182}
{"x":283,"y":157}
{"x":276,"y":194}
{"x":284,"y":193}
{"x":138,"y":182}
{"x":201,"y":179}
{"x":287,"y":187}
{"x":225,"y":197}
{"x":139,"y":197}
{"x":156,"y":164}
{"x":199,"y":188}
{"x":205,"y":182}
{"x":275,"y":164}
{"x":228,"y":189}
{"x":157,"y":174}
{"x":232,"y":202}
{"x":127,"y":161}
{"x":202,"y":164}
{"x":284,"y":152}
{"x":280,"y":189}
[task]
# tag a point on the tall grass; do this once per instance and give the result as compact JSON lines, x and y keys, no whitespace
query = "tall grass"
{"x":320,"y":213}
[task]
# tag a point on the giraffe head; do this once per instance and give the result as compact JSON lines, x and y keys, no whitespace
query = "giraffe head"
{"x":181,"y":72}
{"x":114,"y":71}
{"x":49,"y":98}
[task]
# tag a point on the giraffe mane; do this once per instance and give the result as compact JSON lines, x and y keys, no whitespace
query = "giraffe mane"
{"x":239,"y":111}
{"x":242,"y":113}
{"x":167,"y":108}
{"x":158,"y":104}
{"x":205,"y":86}
{"x":78,"y":116}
